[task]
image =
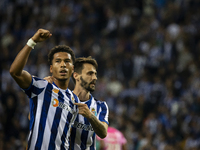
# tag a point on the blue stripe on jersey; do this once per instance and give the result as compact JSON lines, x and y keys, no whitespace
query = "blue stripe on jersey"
{"x":45,"y":108}
{"x":84,"y":135}
{"x":92,"y":146}
{"x":63,"y":138}
{"x":69,"y":96}
{"x":36,"y":79}
{"x":54,"y":128}
{"x":33,"y":106}
{"x":32,"y":89}
{"x":103,"y":112}
{"x":76,"y":101}
{"x":76,"y":98}
{"x":37,"y":91}
{"x":73,"y":136}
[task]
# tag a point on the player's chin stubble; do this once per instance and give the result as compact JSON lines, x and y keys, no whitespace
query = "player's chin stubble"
{"x":86,"y":85}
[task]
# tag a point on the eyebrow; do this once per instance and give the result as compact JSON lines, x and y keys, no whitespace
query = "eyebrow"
{"x":95,"y":72}
{"x":62,"y":59}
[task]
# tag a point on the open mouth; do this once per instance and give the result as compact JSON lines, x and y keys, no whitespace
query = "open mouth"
{"x":63,"y":72}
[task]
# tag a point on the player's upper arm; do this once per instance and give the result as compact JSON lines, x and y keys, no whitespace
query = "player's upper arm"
{"x":24,"y":80}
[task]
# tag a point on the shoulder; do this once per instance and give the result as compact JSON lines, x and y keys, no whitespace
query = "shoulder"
{"x":98,"y":101}
{"x":37,"y":79}
{"x":102,"y":104}
{"x":38,"y":82}
{"x":36,"y":87}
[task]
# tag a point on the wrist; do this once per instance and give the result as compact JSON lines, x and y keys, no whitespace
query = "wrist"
{"x":91,"y":116}
{"x":31,"y":43}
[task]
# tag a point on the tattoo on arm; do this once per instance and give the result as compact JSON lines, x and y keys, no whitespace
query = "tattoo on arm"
{"x":99,"y":128}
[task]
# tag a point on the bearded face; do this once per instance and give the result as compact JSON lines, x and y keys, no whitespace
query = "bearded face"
{"x":89,"y":86}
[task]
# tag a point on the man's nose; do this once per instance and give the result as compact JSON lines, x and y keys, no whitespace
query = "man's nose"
{"x":63,"y":64}
{"x":94,"y":77}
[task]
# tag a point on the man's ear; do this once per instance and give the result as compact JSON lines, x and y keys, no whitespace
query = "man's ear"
{"x":76,"y":76}
{"x":51,"y":68}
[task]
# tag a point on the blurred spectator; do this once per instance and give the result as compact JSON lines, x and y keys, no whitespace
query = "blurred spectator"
{"x":114,"y":140}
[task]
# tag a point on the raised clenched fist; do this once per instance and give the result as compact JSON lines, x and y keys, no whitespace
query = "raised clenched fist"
{"x":41,"y":35}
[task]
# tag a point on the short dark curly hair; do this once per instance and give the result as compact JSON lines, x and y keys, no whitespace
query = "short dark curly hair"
{"x":60,"y":48}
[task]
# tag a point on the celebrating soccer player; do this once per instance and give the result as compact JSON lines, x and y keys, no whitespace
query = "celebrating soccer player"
{"x":93,"y":114}
{"x":52,"y":109}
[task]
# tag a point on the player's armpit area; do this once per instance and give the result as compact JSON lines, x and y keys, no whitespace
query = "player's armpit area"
{"x":24,"y":80}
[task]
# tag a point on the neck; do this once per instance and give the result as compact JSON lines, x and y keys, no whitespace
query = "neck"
{"x":82,"y":94}
{"x":63,"y":84}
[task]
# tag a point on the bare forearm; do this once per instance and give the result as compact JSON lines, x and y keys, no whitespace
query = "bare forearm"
{"x":23,"y":78}
{"x":20,"y":61}
{"x":99,"y":128}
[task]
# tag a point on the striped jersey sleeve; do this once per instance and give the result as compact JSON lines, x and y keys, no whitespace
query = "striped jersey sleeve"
{"x":83,"y":136}
{"x":52,"y":113}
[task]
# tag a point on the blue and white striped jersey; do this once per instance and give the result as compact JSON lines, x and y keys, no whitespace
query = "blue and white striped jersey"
{"x":83,"y":136}
{"x":52,"y":113}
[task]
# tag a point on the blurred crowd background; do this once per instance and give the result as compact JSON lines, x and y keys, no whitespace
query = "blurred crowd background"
{"x":148,"y":53}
